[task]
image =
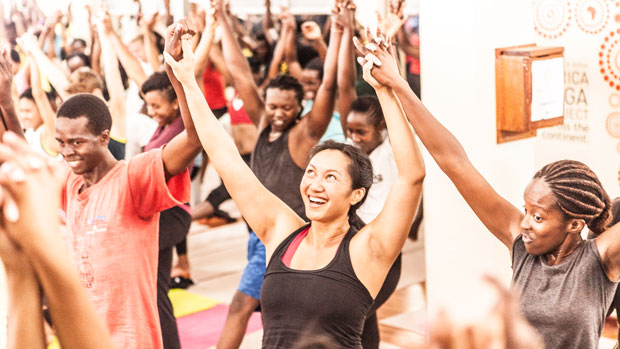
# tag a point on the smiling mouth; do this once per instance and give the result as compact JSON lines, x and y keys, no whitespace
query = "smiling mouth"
{"x":316,"y":201}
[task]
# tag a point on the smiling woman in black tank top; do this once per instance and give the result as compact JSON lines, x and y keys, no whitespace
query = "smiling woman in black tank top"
{"x":330,"y":277}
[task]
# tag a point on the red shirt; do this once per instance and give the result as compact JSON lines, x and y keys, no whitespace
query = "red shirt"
{"x":112,"y":232}
{"x":213,"y":83}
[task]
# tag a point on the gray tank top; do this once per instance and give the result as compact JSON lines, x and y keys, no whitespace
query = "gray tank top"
{"x":567,"y":303}
{"x":274,"y":167}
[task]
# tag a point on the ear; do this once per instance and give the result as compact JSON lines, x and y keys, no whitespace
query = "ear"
{"x":357,"y":196}
{"x":104,"y":136}
{"x":575,"y":226}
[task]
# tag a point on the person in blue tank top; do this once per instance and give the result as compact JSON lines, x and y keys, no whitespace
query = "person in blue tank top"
{"x":341,"y":267}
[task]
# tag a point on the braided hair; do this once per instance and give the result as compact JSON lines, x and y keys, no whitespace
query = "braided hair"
{"x":579,"y":193}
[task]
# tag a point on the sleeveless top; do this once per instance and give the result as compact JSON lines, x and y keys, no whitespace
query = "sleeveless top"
{"x":305,"y":304}
{"x":567,"y":302}
{"x":275,"y":169}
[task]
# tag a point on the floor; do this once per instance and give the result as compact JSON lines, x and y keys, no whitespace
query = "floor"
{"x":217,"y":257}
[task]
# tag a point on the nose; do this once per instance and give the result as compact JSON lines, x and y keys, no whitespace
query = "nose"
{"x":316,"y":185}
{"x":525,"y":222}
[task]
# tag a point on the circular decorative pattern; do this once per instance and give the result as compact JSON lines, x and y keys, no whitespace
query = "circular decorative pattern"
{"x":613,"y":124}
{"x":552,"y":17}
{"x":592,"y":15}
{"x":614,"y":100}
{"x":609,"y":59}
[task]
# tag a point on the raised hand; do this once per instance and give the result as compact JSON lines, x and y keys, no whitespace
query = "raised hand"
{"x":183,"y":28}
{"x":183,"y":67}
{"x":384,"y":69}
{"x":393,"y":20}
{"x":311,"y":30}
{"x":34,"y":184}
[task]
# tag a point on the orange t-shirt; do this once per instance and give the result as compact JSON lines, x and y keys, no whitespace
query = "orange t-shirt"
{"x":112,"y":232}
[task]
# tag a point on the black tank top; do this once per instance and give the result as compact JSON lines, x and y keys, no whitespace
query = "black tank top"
{"x":305,"y":304}
{"x":275,"y":169}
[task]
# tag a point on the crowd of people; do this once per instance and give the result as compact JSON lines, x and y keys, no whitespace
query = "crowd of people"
{"x":318,"y":153}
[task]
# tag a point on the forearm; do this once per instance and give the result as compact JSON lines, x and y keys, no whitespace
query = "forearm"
{"x":215,"y":140}
{"x":330,"y":66}
{"x":238,"y":65}
{"x":346,"y":76}
{"x":320,"y":47}
{"x":152,"y":54}
{"x":130,"y":63}
{"x":407,"y":156}
{"x":188,"y":122}
{"x":25,"y":320}
{"x":10,"y":120}
{"x":202,"y":52}
{"x":75,"y":320}
{"x":53,"y":73}
{"x":116,"y":89}
{"x":441,"y":143}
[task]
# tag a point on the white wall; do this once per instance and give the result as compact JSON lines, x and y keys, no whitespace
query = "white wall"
{"x":458,"y":39}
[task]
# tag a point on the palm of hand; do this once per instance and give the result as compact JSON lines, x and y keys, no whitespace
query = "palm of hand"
{"x":391,"y":24}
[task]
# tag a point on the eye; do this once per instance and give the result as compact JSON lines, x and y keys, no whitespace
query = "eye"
{"x":309,"y":171}
{"x":331,"y":176}
{"x":537,"y":218}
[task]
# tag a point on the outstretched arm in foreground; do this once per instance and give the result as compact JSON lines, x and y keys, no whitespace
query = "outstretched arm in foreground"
{"x":498,"y":215}
{"x":270,"y":218}
{"x":33,"y":184}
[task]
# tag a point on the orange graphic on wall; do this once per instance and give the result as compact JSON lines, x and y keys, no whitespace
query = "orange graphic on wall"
{"x":552,"y":17}
{"x":609,"y":59}
{"x":593,"y":15}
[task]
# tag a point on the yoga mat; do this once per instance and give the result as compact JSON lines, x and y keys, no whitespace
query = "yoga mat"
{"x":185,"y":303}
{"x":203,"y":329}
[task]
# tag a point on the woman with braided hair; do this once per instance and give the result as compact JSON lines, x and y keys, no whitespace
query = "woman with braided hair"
{"x":566,"y":284}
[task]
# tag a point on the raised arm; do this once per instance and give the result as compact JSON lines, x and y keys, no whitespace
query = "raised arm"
{"x":402,"y":201}
{"x":182,"y":149}
{"x":25,"y":320}
{"x":34,"y":184}
{"x":10,"y":122}
{"x":152,"y":54}
{"x":114,"y":82}
{"x":289,"y":40}
{"x":312,"y":32}
{"x":239,"y":69}
{"x":265,"y":213}
{"x":496,"y":213}
{"x":345,"y":21}
{"x":48,"y":115}
{"x":206,"y":42}
{"x":128,"y":60}
{"x":56,"y":76}
{"x":312,"y":126}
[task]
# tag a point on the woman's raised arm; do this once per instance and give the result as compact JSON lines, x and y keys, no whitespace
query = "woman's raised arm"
{"x":498,"y":215}
{"x":270,"y":218}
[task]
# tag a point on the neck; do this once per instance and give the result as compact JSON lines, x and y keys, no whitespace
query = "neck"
{"x":325,"y":234}
{"x":569,"y":246}
{"x":96,"y":174}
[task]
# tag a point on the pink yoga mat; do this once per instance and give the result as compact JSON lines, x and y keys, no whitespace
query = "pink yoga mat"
{"x":202,"y":330}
